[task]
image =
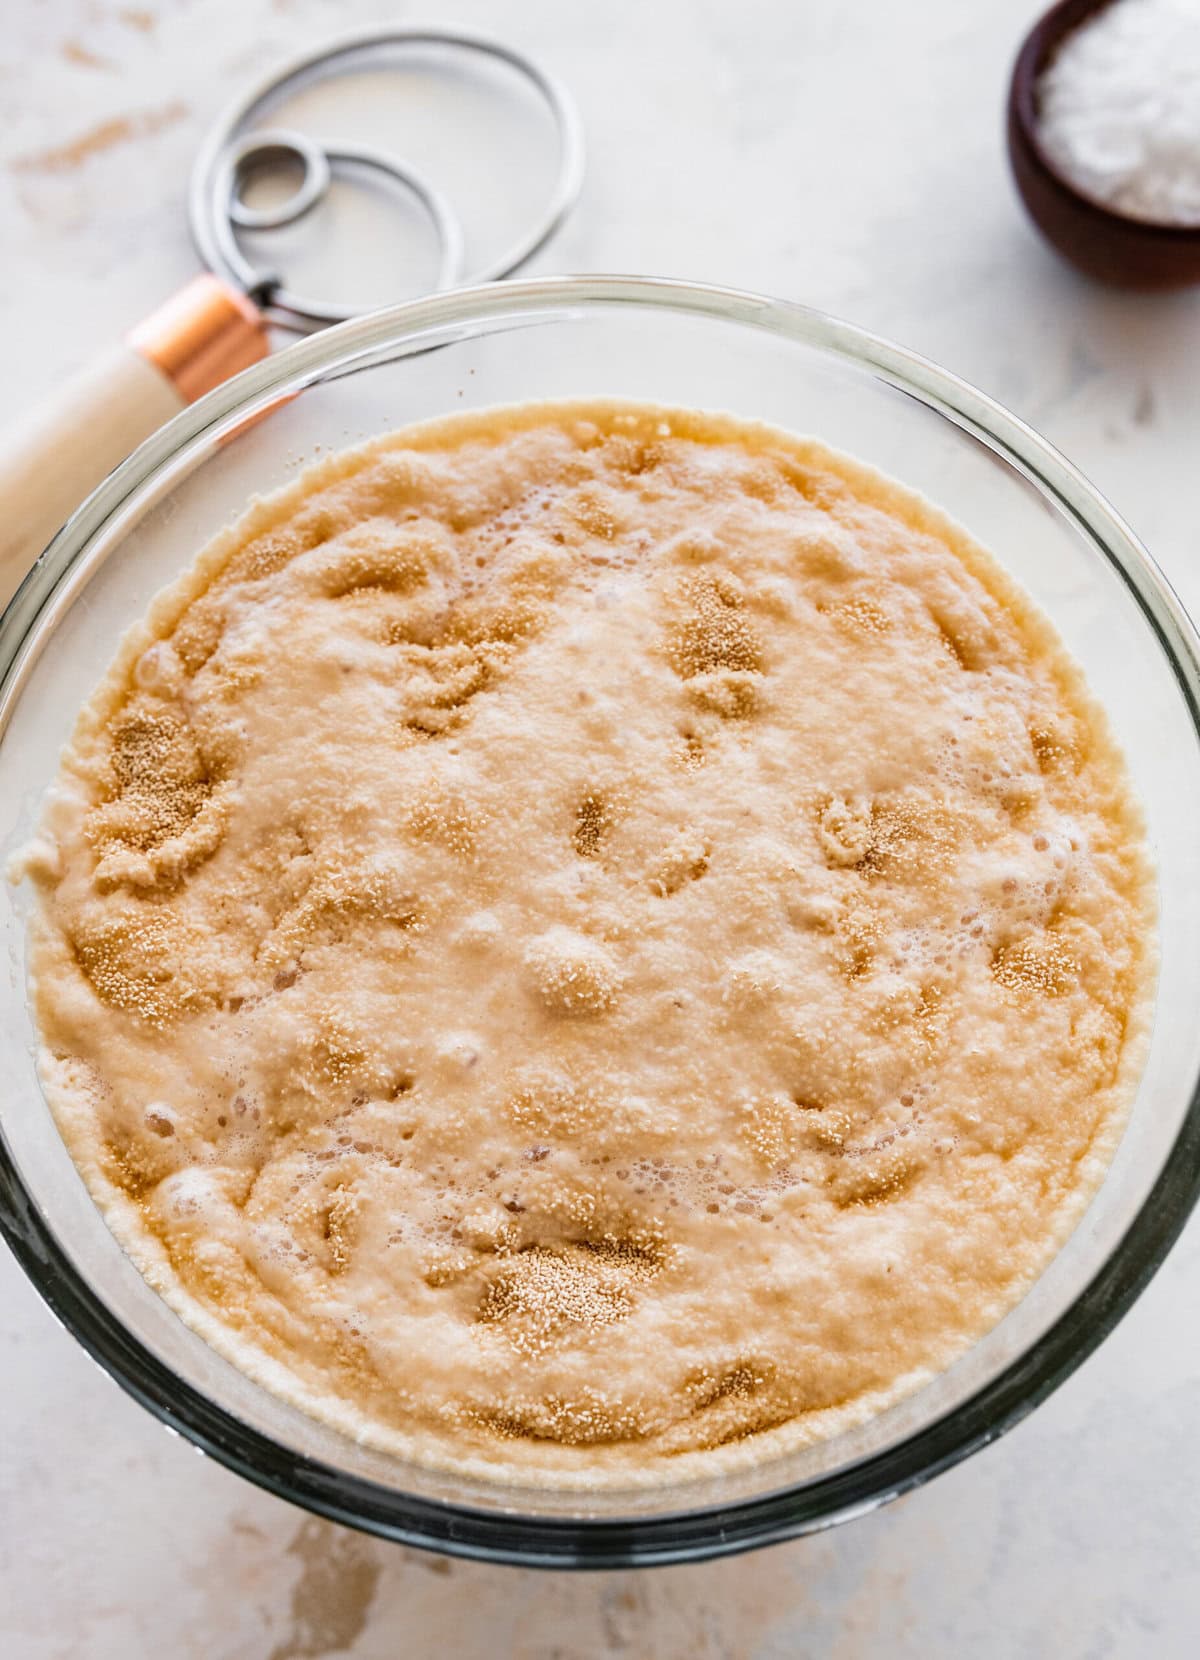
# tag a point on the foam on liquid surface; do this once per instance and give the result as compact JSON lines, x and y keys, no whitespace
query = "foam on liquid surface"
{"x":591,"y":942}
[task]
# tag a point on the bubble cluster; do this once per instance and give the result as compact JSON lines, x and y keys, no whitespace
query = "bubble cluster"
{"x":590,"y":942}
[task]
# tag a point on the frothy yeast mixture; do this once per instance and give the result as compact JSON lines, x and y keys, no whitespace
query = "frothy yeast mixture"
{"x":591,"y":943}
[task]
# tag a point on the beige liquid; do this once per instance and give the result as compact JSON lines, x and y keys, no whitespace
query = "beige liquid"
{"x":591,"y":943}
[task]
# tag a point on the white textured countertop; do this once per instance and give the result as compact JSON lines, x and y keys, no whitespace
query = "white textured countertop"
{"x":843,"y":152}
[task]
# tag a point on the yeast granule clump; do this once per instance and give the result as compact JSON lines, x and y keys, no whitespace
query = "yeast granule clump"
{"x":591,"y":943}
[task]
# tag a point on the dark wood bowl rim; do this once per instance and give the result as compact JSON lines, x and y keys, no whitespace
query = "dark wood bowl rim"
{"x":1047,"y":34}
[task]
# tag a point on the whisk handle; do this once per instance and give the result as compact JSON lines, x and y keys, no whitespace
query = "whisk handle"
{"x":55,"y":454}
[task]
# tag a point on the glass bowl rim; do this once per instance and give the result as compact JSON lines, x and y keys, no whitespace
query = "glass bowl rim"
{"x":714,"y":1530}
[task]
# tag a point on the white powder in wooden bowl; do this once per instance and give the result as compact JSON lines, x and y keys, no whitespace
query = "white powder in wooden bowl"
{"x":1119,"y":109}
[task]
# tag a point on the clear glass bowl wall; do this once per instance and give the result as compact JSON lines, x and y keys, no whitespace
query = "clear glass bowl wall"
{"x":674,"y":344}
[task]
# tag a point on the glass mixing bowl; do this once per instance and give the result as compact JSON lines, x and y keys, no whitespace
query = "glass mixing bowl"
{"x":675,"y":344}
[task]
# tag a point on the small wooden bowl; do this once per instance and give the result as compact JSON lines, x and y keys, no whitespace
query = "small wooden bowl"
{"x":1133,"y":253}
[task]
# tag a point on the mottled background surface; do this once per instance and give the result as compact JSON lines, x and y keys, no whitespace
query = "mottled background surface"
{"x":843,"y":152}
